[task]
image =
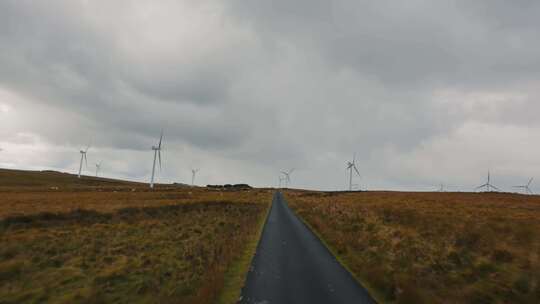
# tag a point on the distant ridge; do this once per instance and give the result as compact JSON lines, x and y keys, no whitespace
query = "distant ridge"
{"x":47,"y":178}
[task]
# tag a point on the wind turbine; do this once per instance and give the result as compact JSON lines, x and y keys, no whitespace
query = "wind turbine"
{"x":282,"y":179}
{"x":352,"y":166}
{"x":488,"y":185}
{"x":193,"y":173}
{"x":83,"y":156}
{"x":98,"y":167}
{"x":526,"y":187}
{"x":441,"y":188}
{"x":287,"y":176}
{"x":157,"y":153}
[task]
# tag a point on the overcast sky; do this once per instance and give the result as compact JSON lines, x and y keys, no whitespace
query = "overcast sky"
{"x":424,"y":92}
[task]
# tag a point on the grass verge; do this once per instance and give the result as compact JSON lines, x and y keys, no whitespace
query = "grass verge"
{"x":236,"y":274}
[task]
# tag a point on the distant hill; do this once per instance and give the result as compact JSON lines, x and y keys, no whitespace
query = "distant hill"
{"x":49,"y":178}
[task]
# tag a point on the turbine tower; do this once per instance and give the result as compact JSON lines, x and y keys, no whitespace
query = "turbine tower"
{"x":488,"y":186}
{"x":352,"y":166}
{"x":193,"y":173}
{"x":526,"y":188}
{"x":98,"y":167}
{"x":281,"y":180}
{"x":287,"y":177}
{"x":157,"y":154}
{"x":83,"y":156}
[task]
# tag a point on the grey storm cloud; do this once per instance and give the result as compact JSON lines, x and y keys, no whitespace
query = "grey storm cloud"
{"x":420,"y":90}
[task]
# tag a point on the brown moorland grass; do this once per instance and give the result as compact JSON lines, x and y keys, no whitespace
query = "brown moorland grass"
{"x":107,"y":242}
{"x":47,"y":178}
{"x":432,"y":247}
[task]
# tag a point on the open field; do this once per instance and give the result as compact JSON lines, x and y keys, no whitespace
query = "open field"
{"x":432,"y":247}
{"x":36,"y":180}
{"x":65,"y":240}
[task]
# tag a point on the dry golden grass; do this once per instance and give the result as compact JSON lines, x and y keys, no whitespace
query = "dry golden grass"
{"x":432,"y":247}
{"x":109,"y":200}
{"x":95,"y":241}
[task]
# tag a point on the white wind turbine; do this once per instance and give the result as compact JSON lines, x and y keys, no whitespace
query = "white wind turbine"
{"x":441,"y":188}
{"x":157,"y":153}
{"x":193,"y":173}
{"x":526,"y":188}
{"x":287,"y":177}
{"x":83,"y":156}
{"x":352,"y":166}
{"x":98,"y":167}
{"x":281,"y":180}
{"x":488,"y":186}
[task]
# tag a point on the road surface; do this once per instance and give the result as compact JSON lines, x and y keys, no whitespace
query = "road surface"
{"x":291,"y":265}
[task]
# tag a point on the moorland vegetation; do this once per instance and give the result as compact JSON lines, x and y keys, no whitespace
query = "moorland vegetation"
{"x":432,"y":247}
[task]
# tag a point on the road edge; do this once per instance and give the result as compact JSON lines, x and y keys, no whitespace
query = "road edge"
{"x":236,"y":274}
{"x":373,"y":293}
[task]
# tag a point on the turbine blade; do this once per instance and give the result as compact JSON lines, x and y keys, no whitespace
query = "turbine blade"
{"x":495,"y":188}
{"x":355,"y":169}
{"x":159,"y":158}
{"x":530,"y":181}
{"x":160,"y":139}
{"x":85,"y":160}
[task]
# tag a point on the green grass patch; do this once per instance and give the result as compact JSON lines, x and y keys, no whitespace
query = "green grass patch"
{"x":236,"y":274}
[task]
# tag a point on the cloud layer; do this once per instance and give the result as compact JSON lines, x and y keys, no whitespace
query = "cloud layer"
{"x":424,"y":93}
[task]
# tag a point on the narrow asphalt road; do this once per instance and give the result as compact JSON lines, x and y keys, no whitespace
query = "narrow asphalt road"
{"x":291,"y":265}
